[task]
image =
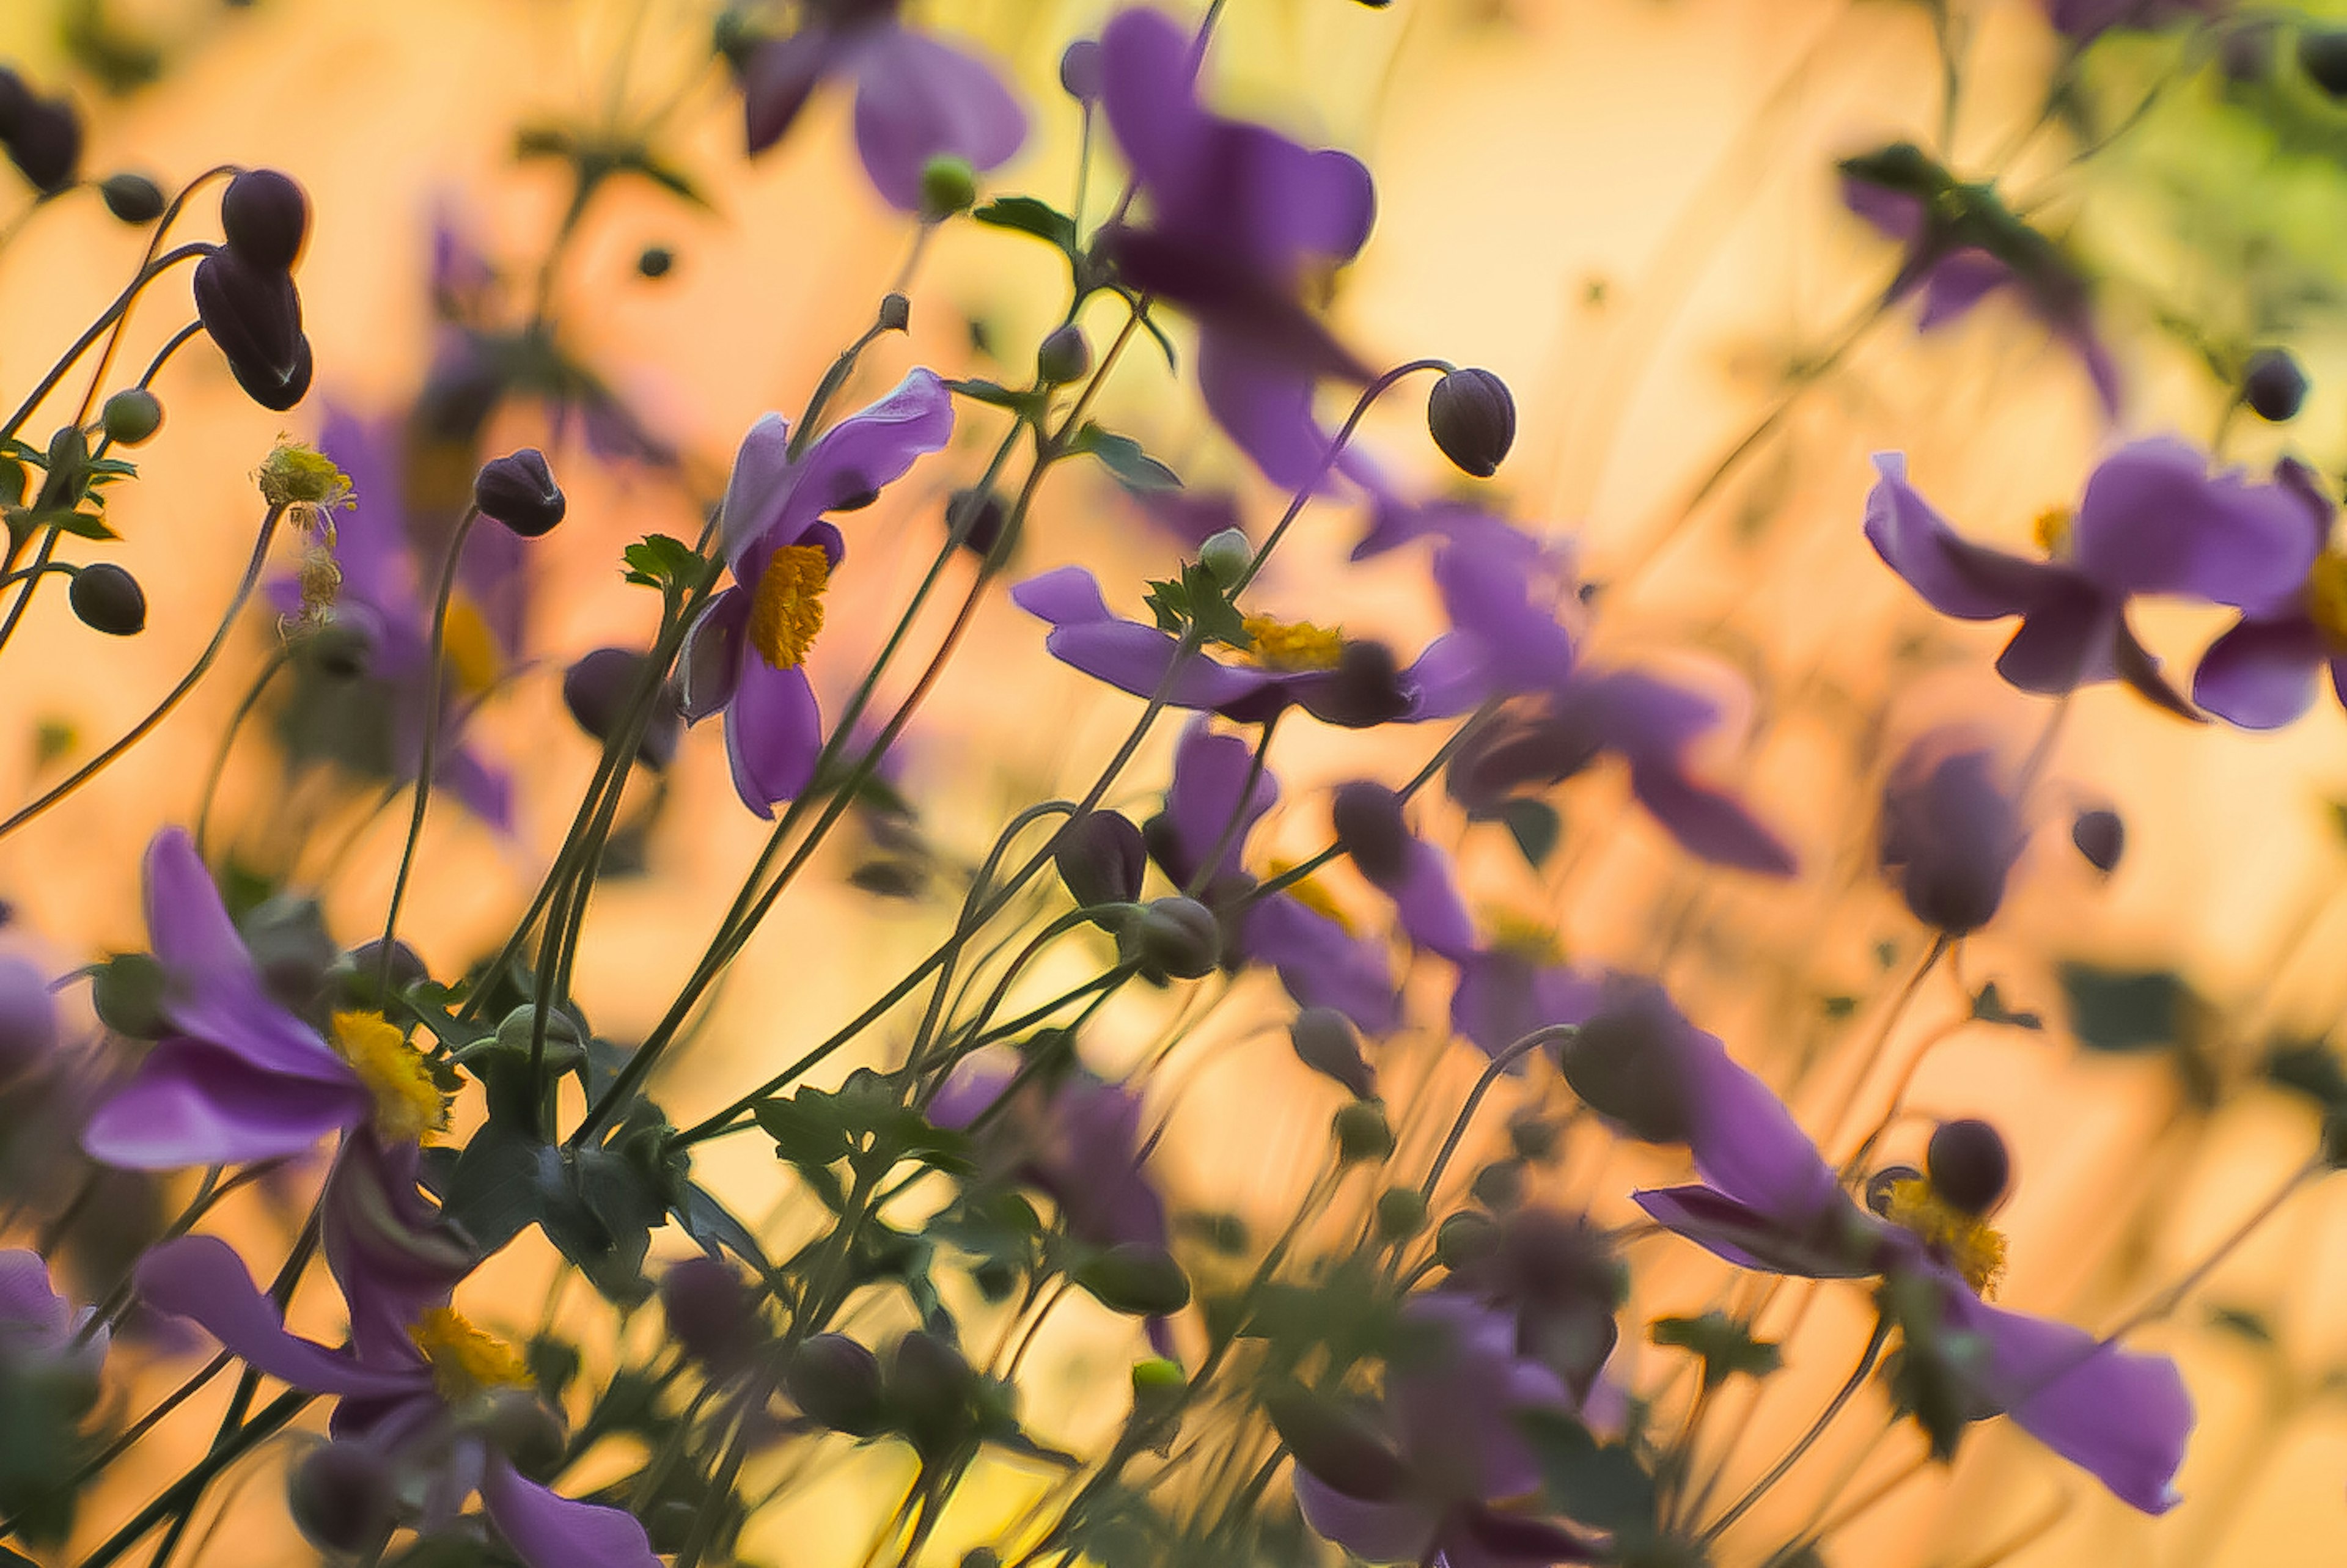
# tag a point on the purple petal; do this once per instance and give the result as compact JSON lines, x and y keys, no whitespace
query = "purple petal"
{"x":1432,"y":914}
{"x":711,"y":664}
{"x":2154,"y":520}
{"x":547,"y":1530}
{"x":1896,"y":214}
{"x":2260,"y":674}
{"x":1322,"y":964}
{"x":1265,"y":406}
{"x":1958,"y":282}
{"x":1066,"y":596}
{"x":1399,"y":1531}
{"x":1955,"y":578}
{"x":1750,"y":1238}
{"x":1707,"y":823}
{"x":487,"y":791}
{"x":1502,"y":997}
{"x":1147,"y":94}
{"x":2064,"y":642}
{"x":755,"y":490}
{"x":1210,"y":777}
{"x":916,"y":99}
{"x":384,"y":1244}
{"x":31,"y":1311}
{"x":782,"y":73}
{"x":1134,"y":657}
{"x":773,"y":733}
{"x":193,"y":1103}
{"x":1486,"y":583}
{"x":1747,"y":1143}
{"x":861,"y":455}
{"x":1451,"y":676}
{"x":201,"y":1277}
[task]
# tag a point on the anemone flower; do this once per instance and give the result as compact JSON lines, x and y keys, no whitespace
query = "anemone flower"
{"x":746,"y":655}
{"x":239,"y":1078}
{"x":2153,"y":521}
{"x":1414,"y":874}
{"x":1078,"y":1139}
{"x":38,"y":1328}
{"x":1950,"y":831}
{"x":434,"y":1406}
{"x":1239,"y":218}
{"x":2262,"y":673}
{"x":1515,"y":983}
{"x":916,"y":99}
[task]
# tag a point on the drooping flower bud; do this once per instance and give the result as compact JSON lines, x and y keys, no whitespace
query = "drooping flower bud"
{"x":1472,"y":417}
{"x":837,"y":1382}
{"x":1176,"y":939}
{"x":1950,"y":833}
{"x":518,"y":490}
{"x":277,"y":393}
{"x":1101,"y":858}
{"x":28,"y":1018}
{"x":948,"y":186}
{"x":132,"y":416}
{"x":255,"y":316}
{"x":341,"y":1496}
{"x":132,"y":198}
{"x":1465,"y":1239}
{"x":2272,"y":385}
{"x":1371,"y":830}
{"x":1339,"y":1445}
{"x":1081,"y":70}
{"x":2323,"y":55}
{"x":598,"y":688}
{"x":711,"y":1314}
{"x":1137,"y":1279}
{"x":929,"y":1390}
{"x":45,"y":144}
{"x":1626,"y":1063}
{"x":2100,"y":836}
{"x":1064,"y":356}
{"x":1362,"y":1132}
{"x":1324,"y":1040}
{"x":265,"y":219}
{"x":104,"y":598}
{"x":1968,"y":1165}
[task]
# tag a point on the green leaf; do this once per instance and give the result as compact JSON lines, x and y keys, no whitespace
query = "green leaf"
{"x":1535,"y":826}
{"x":2125,"y":1009}
{"x":1989,"y":1008}
{"x":1029,"y":215}
{"x":1122,"y":456}
{"x":1726,"y":1346}
{"x":662,"y":562}
{"x":1027,"y":405}
{"x":2241,"y":1323}
{"x":1600,"y":1485}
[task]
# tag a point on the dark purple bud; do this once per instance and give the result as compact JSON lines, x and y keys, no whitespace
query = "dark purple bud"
{"x":1950,"y":834}
{"x":1968,"y":1164}
{"x":45,"y":145}
{"x":978,"y":515}
{"x":1080,"y":70}
{"x":1364,"y":691}
{"x":598,"y":688}
{"x":132,"y":198}
{"x":15,"y":98}
{"x":1370,"y":828}
{"x":1623,"y":1064}
{"x":107,"y":599}
{"x":2101,"y":837}
{"x":253,"y":312}
{"x":28,"y":1019}
{"x":1337,"y":1444}
{"x":265,"y":218}
{"x":1362,"y":1132}
{"x":777,"y":82}
{"x":1064,"y":356}
{"x":275,"y":392}
{"x":1100,"y":859}
{"x":518,"y":490}
{"x":360,"y":978}
{"x":711,"y":1314}
{"x":1176,"y":939}
{"x":1137,"y":1279}
{"x":655,"y":262}
{"x":132,"y":416}
{"x":1324,"y":1039}
{"x":2323,"y":55}
{"x":896,"y":312}
{"x":837,"y":1382}
{"x":2273,"y":385}
{"x":1401,"y":1214}
{"x":1472,"y":418}
{"x":341,"y":1496}
{"x":929,"y":1388}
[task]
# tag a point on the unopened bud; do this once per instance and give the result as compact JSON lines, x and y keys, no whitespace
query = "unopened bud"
{"x":564,"y":1048}
{"x":1137,"y":1279}
{"x":131,"y":415}
{"x":896,"y":312}
{"x":1157,"y":1384}
{"x":1499,"y":1186}
{"x":948,"y":186}
{"x":1968,"y":1165}
{"x":272,"y":391}
{"x":1622,"y":1064}
{"x":599,"y":688}
{"x":1325,"y":1042}
{"x":1065,"y":355}
{"x":132,"y":198}
{"x":1176,"y":939}
{"x":1465,"y":1239}
{"x":1472,"y":418}
{"x":2101,"y":837}
{"x":1401,"y":1214}
{"x":2273,"y":385}
{"x":518,"y":1425}
{"x":341,"y":1496}
{"x":929,"y":1390}
{"x":265,"y":218}
{"x":1370,"y":828}
{"x":45,"y":144}
{"x":1227,"y":554}
{"x":978,"y":516}
{"x":366,"y":966}
{"x":518,"y":490}
{"x":126,"y":992}
{"x":711,"y":1314}
{"x":1337,"y":1444}
{"x":1101,"y":858}
{"x":28,"y":1018}
{"x":836,"y":1383}
{"x":2323,"y":55}
{"x":1362,"y":1133}
{"x":1364,"y":691}
{"x":104,"y":598}
{"x":654,"y":261}
{"x":254,"y":314}
{"x":1080,"y":71}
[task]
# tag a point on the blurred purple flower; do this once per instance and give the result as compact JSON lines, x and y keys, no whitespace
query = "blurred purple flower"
{"x":432,"y":1404}
{"x":1951,"y":832}
{"x":38,"y":1328}
{"x":1515,"y":984}
{"x":1557,"y":1277}
{"x":2153,"y":521}
{"x":2262,"y":673}
{"x":746,"y":655}
{"x":386,"y":1243}
{"x":1078,"y":1139}
{"x":916,"y":99}
{"x":239,"y":1078}
{"x":1406,"y":868}
{"x":1239,"y":215}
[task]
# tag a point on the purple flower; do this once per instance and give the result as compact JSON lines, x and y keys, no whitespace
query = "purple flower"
{"x":746,"y":654}
{"x":1239,"y":215}
{"x":1299,"y":931}
{"x":1558,"y":1278}
{"x":1517,"y":983}
{"x":38,"y":1328}
{"x":916,"y":99}
{"x":1454,"y":1417}
{"x":1340,"y":680}
{"x":1414,"y":874}
{"x":1079,"y":1140}
{"x":28,"y":1018}
{"x":239,"y":1078}
{"x":1951,"y":832}
{"x":1771,"y":1203}
{"x":2260,"y":674}
{"x":432,"y":1406}
{"x":386,"y":1243}
{"x":2153,"y":521}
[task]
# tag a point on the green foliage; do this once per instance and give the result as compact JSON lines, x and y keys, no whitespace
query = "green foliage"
{"x":1726,"y":1346}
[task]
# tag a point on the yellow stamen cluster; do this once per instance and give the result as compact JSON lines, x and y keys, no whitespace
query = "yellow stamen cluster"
{"x":465,"y":1361}
{"x":470,"y":647}
{"x":787,"y":610}
{"x":1522,"y":937}
{"x":2051,"y":528}
{"x":1293,"y":644}
{"x":1312,"y":896}
{"x":305,"y":482}
{"x":1965,"y":1241}
{"x":408,"y":1102}
{"x":2326,"y":597}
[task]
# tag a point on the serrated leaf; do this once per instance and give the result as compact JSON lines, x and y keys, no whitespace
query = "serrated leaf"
{"x":660,"y":561}
{"x":1029,"y":215}
{"x":1725,"y":1346}
{"x":1123,"y":457}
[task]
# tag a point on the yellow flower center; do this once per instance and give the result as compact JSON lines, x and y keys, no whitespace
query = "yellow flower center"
{"x":2051,"y":529}
{"x":1967,"y":1243}
{"x":465,"y":1361}
{"x":408,"y":1102}
{"x":1522,"y":937}
{"x":306,"y":484}
{"x":1312,"y":896}
{"x":787,"y":611}
{"x":1293,"y":644}
{"x":2326,"y":597}
{"x":470,"y":647}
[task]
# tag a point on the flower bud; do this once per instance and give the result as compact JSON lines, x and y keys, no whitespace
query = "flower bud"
{"x":290,"y":947}
{"x":265,"y":218}
{"x":271,"y":391}
{"x":1100,"y":859}
{"x":948,"y":186}
{"x":1370,"y":828}
{"x":711,"y":1314}
{"x":1337,"y":1444}
{"x":1621,"y":1063}
{"x":2323,"y":55}
{"x":520,"y":1426}
{"x":45,"y":144}
{"x":107,"y":599}
{"x":518,"y":490}
{"x":929,"y":1390}
{"x":253,"y":315}
{"x":1364,"y":691}
{"x":1227,"y":554}
{"x":1499,"y":1186}
{"x":1472,"y":418}
{"x":126,"y":993}
{"x":132,"y":416}
{"x":1950,"y":833}
{"x":2101,"y":837}
{"x":896,"y":312}
{"x":978,"y":515}
{"x":1177,"y":939}
{"x":1401,"y":1214}
{"x":1968,"y":1164}
{"x":28,"y":1018}
{"x":1065,"y":355}
{"x":837,"y":1382}
{"x":361,"y":974}
{"x":654,"y":261}
{"x":1324,"y":1040}
{"x":565,"y":1046}
{"x":341,"y":1496}
{"x":598,"y":688}
{"x":1081,"y":70}
{"x":132,"y":198}
{"x":2273,"y":385}
{"x":1465,"y":1239}
{"x":1137,"y":1279}
{"x":1157,"y":1383}
{"x":1362,"y":1133}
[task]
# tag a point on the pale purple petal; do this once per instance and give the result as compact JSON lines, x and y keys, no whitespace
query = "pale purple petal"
{"x":1708,"y":824}
{"x":1958,"y":282}
{"x":192,"y":1103}
{"x":711,"y":662}
{"x":1749,"y":1238}
{"x":547,"y":1531}
{"x":1954,"y":576}
{"x":1397,"y":1531}
{"x":1265,"y":404}
{"x":1896,"y":214}
{"x":384,"y":1244}
{"x":861,"y":455}
{"x":1134,"y":657}
{"x":1146,"y":91}
{"x":1451,"y":676}
{"x":916,"y":99}
{"x":1321,"y":963}
{"x":1502,"y":997}
{"x":2064,"y":642}
{"x":1747,"y":1143}
{"x":781,"y":75}
{"x":201,"y":1277}
{"x":2260,"y":674}
{"x":2154,"y":520}
{"x":774,"y":733}
{"x":485,"y":790}
{"x":1065,"y":596}
{"x":1432,"y":914}
{"x":1211,"y":776}
{"x":756,"y":489}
